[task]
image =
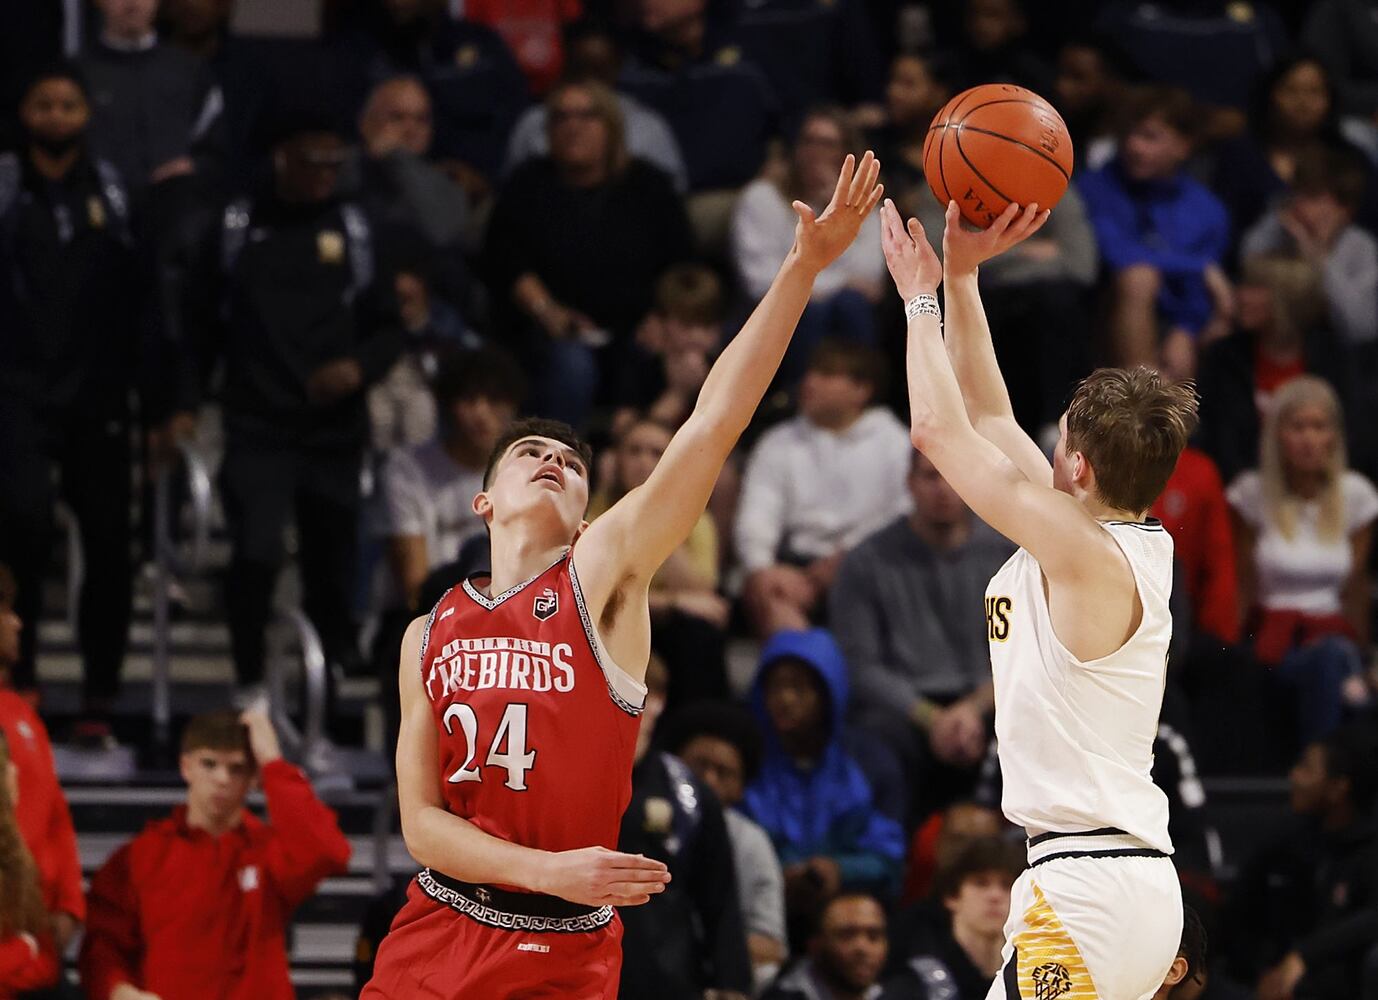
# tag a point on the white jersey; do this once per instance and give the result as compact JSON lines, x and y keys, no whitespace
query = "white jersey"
{"x":1076,"y":739}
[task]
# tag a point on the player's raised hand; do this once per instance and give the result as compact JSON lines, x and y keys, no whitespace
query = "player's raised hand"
{"x":821,"y":239}
{"x":596,"y":876}
{"x":966,"y":249}
{"x":912,"y":262}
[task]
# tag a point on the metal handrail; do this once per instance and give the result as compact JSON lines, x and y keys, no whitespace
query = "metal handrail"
{"x":315,"y":671}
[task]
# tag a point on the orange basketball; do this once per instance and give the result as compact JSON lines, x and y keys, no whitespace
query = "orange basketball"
{"x":995,"y":144}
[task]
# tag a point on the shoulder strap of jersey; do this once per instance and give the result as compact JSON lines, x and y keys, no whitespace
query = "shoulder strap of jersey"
{"x":426,"y":632}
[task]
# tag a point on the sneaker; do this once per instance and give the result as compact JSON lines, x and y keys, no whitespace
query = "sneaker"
{"x":93,"y":736}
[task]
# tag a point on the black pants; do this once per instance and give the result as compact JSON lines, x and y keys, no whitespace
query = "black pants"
{"x":90,"y":450}
{"x":265,"y":488}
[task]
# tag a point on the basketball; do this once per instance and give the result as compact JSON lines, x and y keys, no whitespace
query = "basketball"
{"x":995,"y":144}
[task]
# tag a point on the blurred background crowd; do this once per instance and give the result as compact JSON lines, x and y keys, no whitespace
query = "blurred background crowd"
{"x":274,"y":277}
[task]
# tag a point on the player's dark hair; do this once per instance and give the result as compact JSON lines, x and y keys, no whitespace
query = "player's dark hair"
{"x":981,"y":855}
{"x":723,"y":720}
{"x":1325,"y":170}
{"x":856,"y":361}
{"x":221,"y":730}
{"x":1131,"y":424}
{"x":1351,"y":752}
{"x":487,"y":372}
{"x":556,"y":430}
{"x":1172,"y":104}
{"x":1193,"y":947}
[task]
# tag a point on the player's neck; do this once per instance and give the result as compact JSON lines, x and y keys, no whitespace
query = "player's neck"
{"x":982,"y":949}
{"x":517,"y":558}
{"x":1102,"y":511}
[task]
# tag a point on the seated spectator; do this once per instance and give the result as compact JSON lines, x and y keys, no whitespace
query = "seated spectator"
{"x":918,"y":88}
{"x":1300,"y":919}
{"x":534,"y":30}
{"x":1195,"y":513}
{"x":1213,"y":49}
{"x":44,"y":822}
{"x":845,"y":294}
{"x":575,"y":244}
{"x":1293,"y":112}
{"x":1089,"y":91}
{"x":29,"y":958}
{"x":199,"y":903}
{"x":830,"y":797}
{"x":907,"y":606}
{"x":1317,"y":222}
{"x":1345,"y":37}
{"x":688,"y":939}
{"x":846,"y":953}
{"x":689,"y":67}
{"x":994,"y":48}
{"x":940,"y":839}
{"x":1303,"y":527}
{"x":595,"y":54}
{"x":962,"y":952}
{"x":688,"y":615}
{"x":719,"y":742}
{"x":1280,"y":333}
{"x":815,"y":486}
{"x":1161,"y":234}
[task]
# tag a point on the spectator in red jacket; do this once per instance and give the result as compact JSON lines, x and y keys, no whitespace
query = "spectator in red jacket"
{"x":197,"y":906}
{"x":44,"y":822}
{"x":28,"y":953}
{"x":1196,"y":515}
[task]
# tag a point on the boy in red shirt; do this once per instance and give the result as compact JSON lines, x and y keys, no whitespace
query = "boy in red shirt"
{"x":196,"y":907}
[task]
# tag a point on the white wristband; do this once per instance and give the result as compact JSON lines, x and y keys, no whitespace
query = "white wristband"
{"x":923,"y":304}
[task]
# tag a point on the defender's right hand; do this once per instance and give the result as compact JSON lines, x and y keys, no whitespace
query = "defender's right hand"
{"x":596,"y":876}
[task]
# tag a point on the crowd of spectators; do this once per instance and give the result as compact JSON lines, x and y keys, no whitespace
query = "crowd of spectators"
{"x":367,"y":250}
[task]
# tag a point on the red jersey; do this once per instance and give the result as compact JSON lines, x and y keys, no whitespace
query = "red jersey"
{"x":537,"y":726}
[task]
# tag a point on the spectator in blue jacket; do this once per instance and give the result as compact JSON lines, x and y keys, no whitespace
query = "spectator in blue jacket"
{"x":1162,"y":236}
{"x":829,"y":799}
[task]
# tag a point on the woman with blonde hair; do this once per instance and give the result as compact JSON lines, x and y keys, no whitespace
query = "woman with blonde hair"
{"x":1303,"y":525}
{"x":28,"y":960}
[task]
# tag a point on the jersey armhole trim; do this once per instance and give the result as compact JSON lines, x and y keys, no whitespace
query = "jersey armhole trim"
{"x":426,"y":634}
{"x":1138,"y":594}
{"x":627,"y":693}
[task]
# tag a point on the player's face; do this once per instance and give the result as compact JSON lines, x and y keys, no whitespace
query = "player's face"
{"x":1153,"y":150}
{"x":794,"y":697}
{"x":538,"y":478}
{"x":218,"y":782}
{"x":851,"y":942}
{"x":718,"y":765}
{"x":1307,"y":438}
{"x":1301,"y":100}
{"x":481,"y":421}
{"x":935,"y":502}
{"x":982,"y":903}
{"x":638,"y":453}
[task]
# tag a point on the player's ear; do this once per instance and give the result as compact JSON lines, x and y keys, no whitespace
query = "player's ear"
{"x":482,"y":505}
{"x":1177,"y":972}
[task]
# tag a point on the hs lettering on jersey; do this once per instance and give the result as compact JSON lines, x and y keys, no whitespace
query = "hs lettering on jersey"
{"x":500,"y":662}
{"x":998,"y":618}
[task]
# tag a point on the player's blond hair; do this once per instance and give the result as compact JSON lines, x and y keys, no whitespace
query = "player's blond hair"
{"x":1131,"y":424}
{"x":1280,"y":503}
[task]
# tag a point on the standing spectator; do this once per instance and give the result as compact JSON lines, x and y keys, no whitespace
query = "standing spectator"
{"x":1344,"y":34}
{"x":830,"y":798}
{"x":846,"y":953}
{"x":1304,"y":911}
{"x":689,"y":940}
{"x":69,"y":358}
{"x":960,"y":957}
{"x":1303,"y":533}
{"x":533,"y":29}
{"x":907,"y":608}
{"x":43,"y":818}
{"x":28,"y":956}
{"x":994,"y":48}
{"x":688,"y":615}
{"x":718,"y":741}
{"x":1089,"y":91}
{"x":156,"y":108}
{"x":595,"y":54}
{"x":845,"y":295}
{"x":198,"y":904}
{"x":1162,"y":235}
{"x":1317,"y":222}
{"x":294,"y":283}
{"x":1280,"y":333}
{"x":575,"y":245}
{"x":817,"y":485}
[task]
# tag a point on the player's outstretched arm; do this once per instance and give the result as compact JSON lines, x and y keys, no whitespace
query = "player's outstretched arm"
{"x":968,"y":338}
{"x":441,"y":840}
{"x":650,"y":522}
{"x":1049,"y":523}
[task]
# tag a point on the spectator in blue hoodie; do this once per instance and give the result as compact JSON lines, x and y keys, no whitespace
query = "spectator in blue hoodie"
{"x":1162,"y":236}
{"x":831,"y":800}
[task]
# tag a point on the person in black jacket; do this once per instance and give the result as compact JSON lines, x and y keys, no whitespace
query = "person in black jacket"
{"x":296,"y":284}
{"x":846,"y":956}
{"x":689,"y":941}
{"x":1304,"y":913}
{"x":70,"y":355}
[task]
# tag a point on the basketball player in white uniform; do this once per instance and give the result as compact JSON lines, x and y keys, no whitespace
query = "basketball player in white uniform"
{"x":1077,"y":620}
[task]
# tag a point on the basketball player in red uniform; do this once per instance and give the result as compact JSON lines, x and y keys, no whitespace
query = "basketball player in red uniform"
{"x":521,"y":696}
